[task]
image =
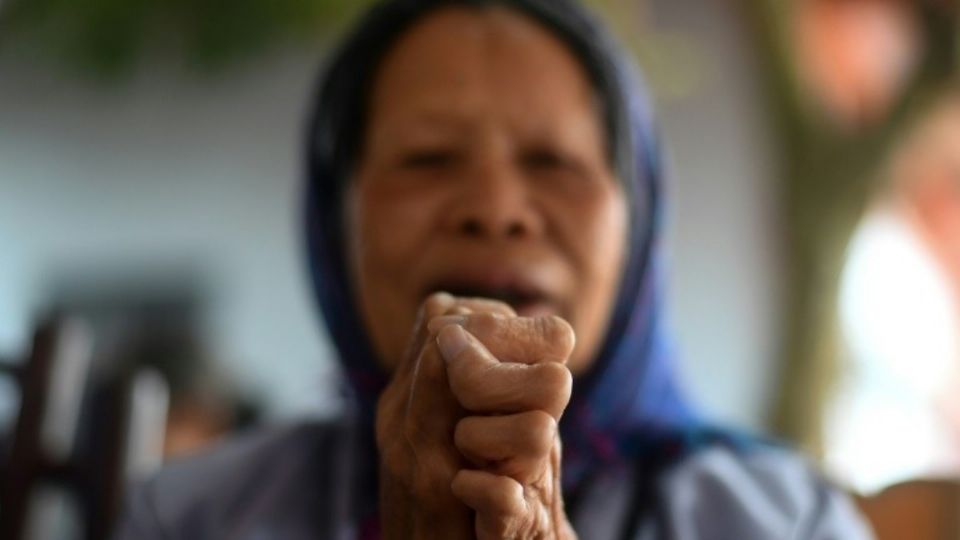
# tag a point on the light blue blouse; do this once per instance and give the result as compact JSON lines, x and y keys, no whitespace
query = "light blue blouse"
{"x":290,"y":483}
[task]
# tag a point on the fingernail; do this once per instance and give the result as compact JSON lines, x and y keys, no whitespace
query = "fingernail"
{"x":443,"y":296}
{"x":437,"y":323}
{"x":452,"y":340}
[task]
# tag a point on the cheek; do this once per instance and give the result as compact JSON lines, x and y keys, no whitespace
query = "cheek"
{"x":607,"y":237}
{"x":391,"y":225}
{"x":598,"y":242}
{"x":388,"y":227}
{"x":598,"y":236}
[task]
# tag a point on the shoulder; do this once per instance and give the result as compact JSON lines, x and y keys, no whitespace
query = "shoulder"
{"x":762,"y":491}
{"x":256,"y":477}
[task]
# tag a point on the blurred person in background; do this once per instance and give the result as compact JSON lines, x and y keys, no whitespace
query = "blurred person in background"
{"x":930,"y":182}
{"x":138,"y":326}
{"x":927,"y":186}
{"x":855,"y":56}
{"x":901,"y":298}
{"x":503,"y":152}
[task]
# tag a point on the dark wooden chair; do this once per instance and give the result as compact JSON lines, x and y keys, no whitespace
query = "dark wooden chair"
{"x":80,"y":435}
{"x":915,"y":510}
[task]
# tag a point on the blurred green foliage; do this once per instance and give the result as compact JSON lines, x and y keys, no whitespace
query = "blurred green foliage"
{"x":108,"y":37}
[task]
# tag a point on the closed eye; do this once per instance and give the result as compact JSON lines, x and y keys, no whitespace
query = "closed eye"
{"x":429,"y":159}
{"x":547,"y":160}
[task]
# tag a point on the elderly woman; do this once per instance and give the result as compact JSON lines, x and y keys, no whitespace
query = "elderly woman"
{"x":483,"y":209}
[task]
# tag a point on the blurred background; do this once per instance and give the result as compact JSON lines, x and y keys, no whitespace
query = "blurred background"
{"x":153,"y":289}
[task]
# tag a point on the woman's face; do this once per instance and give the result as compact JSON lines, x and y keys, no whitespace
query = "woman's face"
{"x":484,"y":172}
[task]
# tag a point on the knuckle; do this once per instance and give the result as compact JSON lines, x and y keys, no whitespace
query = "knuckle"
{"x":471,"y":398}
{"x":513,"y":502}
{"x":541,"y":428}
{"x":462,"y":433}
{"x":461,"y":367}
{"x":463,"y":386}
{"x":502,"y":307}
{"x":485,"y":323}
{"x":558,"y":333}
{"x":502,"y":526}
{"x":458,"y":310}
{"x":558,"y":382}
{"x":466,"y":379}
{"x":557,"y":377}
{"x":502,"y":495}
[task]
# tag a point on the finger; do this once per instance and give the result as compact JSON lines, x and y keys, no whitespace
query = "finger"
{"x":516,"y":445}
{"x":443,"y":306}
{"x":497,"y":500}
{"x":433,"y":306}
{"x":483,"y":384}
{"x":432,"y":409}
{"x":442,"y":303}
{"x":455,"y":311}
{"x":422,"y":417}
{"x":526,"y":340}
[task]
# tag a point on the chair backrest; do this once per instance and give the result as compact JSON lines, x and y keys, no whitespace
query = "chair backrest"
{"x":80,"y":437}
{"x":915,"y":510}
{"x":28,"y":460}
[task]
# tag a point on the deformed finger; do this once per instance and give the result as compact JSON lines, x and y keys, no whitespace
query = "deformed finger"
{"x":526,"y":340}
{"x":483,"y":384}
{"x":515,"y":445}
{"x":497,"y":500}
{"x":435,"y":305}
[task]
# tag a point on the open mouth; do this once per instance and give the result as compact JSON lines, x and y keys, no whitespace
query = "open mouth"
{"x":526,"y":301}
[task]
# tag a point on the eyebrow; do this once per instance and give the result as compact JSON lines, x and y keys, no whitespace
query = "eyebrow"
{"x":427,"y":119}
{"x":430,"y":115}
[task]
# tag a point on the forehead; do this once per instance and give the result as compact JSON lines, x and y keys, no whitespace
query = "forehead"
{"x":478,"y":61}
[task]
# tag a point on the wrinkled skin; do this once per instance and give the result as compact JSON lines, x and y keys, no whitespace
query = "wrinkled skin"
{"x":470,"y":421}
{"x":484,"y":173}
{"x":484,"y":169}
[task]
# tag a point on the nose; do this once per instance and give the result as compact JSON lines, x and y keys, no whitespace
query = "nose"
{"x":495,"y":203}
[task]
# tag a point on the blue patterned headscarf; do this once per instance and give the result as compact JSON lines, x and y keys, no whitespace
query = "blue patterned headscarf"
{"x":629,"y":399}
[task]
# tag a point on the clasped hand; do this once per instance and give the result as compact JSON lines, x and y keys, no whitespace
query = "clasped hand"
{"x":467,"y":427}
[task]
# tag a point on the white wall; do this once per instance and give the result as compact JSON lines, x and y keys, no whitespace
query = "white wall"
{"x":175,"y":170}
{"x":168,"y":171}
{"x":725,"y":275}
